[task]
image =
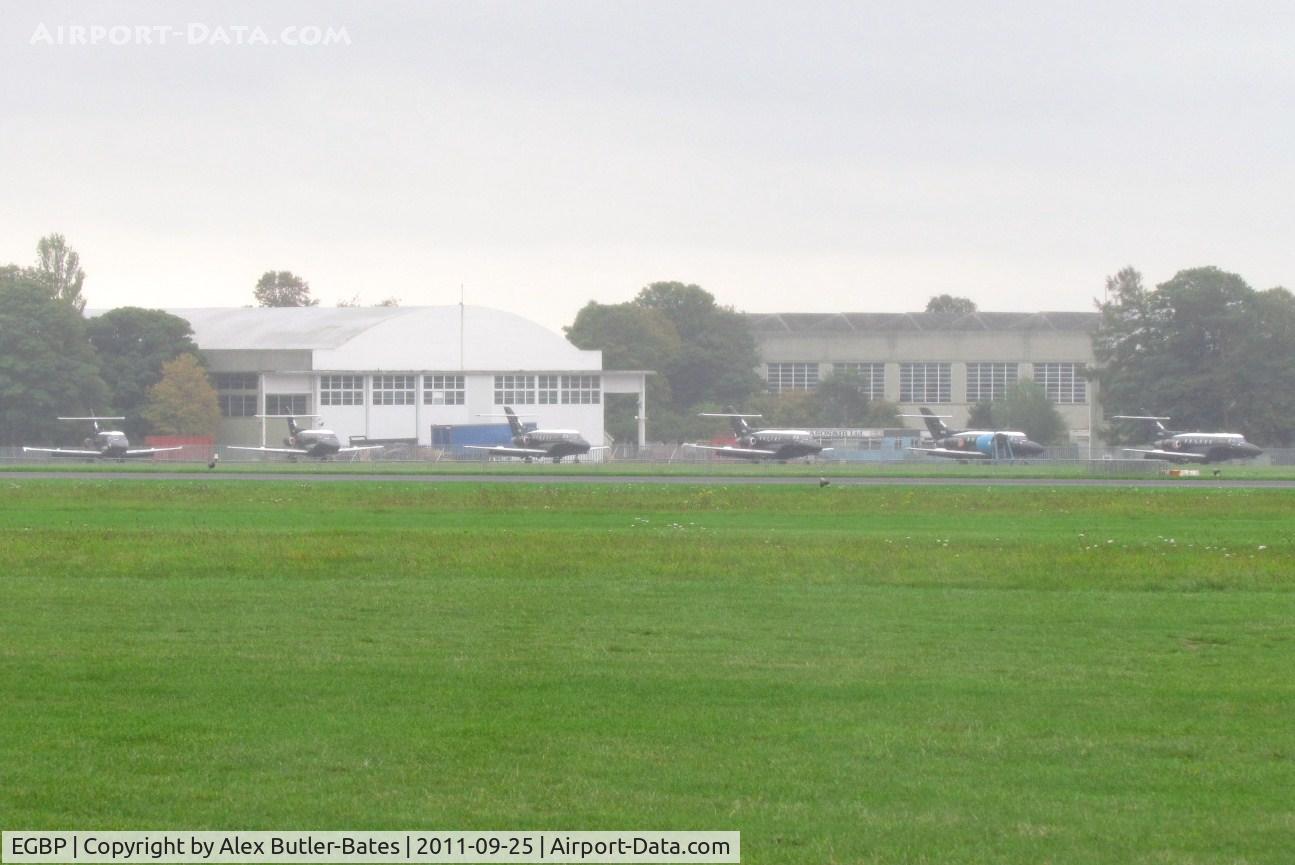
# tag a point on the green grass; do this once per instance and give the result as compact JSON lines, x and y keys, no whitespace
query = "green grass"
{"x":857,"y":674}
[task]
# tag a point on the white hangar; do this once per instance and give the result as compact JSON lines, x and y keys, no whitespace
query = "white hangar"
{"x":434,"y":376}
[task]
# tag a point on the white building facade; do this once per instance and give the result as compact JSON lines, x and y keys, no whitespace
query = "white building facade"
{"x":427,"y":376}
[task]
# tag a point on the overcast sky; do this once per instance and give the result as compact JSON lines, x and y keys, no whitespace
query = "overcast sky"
{"x":785,"y":156}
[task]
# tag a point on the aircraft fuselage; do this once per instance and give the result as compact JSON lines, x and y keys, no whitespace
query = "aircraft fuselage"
{"x":317,"y":443}
{"x":786,"y":444}
{"x":1214,"y":447}
{"x":556,"y":443}
{"x":991,"y":443}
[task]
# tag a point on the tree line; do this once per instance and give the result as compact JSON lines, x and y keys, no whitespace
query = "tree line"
{"x":140,"y":363}
{"x":1203,"y":348}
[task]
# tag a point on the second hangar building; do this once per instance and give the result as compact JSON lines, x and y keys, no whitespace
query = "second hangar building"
{"x":945,"y":361}
{"x":432,"y":376}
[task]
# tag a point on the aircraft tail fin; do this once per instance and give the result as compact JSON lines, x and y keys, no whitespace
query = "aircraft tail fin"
{"x":738,"y":421}
{"x":1155,"y":421}
{"x":934,"y":424}
{"x":293,"y":429}
{"x":740,"y":426}
{"x":514,"y":425}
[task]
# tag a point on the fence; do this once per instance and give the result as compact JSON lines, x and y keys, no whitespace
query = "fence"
{"x":1105,"y":461}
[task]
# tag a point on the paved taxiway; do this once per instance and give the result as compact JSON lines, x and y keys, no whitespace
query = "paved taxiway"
{"x":702,"y":480}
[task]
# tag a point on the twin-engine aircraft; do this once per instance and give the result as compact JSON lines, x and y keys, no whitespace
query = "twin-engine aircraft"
{"x":317,"y":444}
{"x":530,"y":445}
{"x":974,"y":444}
{"x":762,"y":444}
{"x":1191,"y":447}
{"x":104,"y":444}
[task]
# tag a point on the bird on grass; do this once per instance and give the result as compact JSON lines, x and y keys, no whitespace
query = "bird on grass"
{"x":211,"y":463}
{"x":822,"y":482}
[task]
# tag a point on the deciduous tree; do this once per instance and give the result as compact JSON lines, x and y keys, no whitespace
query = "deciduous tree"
{"x":1203,"y":348}
{"x":183,"y":402}
{"x":59,"y":267}
{"x":950,"y":303}
{"x":133,"y":344}
{"x":47,"y":365}
{"x":283,"y":288}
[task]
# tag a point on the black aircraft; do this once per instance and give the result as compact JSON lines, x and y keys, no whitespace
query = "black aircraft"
{"x":763,"y":444}
{"x":1191,"y":447}
{"x":974,"y":444}
{"x":535,"y":444}
{"x":104,"y":444}
{"x":317,"y":444}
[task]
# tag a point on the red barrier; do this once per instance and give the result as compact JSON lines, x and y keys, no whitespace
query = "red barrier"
{"x":192,"y":448}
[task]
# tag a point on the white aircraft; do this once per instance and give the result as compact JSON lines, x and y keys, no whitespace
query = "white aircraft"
{"x":536,"y":444}
{"x":762,"y":444}
{"x":104,"y":444}
{"x":1191,"y":447}
{"x":316,"y":443}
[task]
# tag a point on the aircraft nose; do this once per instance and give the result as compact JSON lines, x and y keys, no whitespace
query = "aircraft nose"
{"x":1030,"y":448}
{"x":1251,"y":450}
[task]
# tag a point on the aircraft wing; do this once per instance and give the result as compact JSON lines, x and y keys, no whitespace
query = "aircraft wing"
{"x":1184,"y":456}
{"x":144,"y":452}
{"x":504,"y":451}
{"x":62,"y":452}
{"x":360,"y":448}
{"x":295,"y":451}
{"x":950,"y":452}
{"x":729,"y":450}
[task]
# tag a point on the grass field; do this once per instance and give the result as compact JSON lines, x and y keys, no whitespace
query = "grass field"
{"x":934,"y":675}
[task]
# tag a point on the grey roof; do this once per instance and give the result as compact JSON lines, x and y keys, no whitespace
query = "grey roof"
{"x":293,"y":327}
{"x":872,"y":322}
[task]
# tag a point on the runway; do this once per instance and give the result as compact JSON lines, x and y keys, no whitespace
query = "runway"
{"x":678,"y":480}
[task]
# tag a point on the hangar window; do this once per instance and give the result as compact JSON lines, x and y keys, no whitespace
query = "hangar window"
{"x":792,"y":376}
{"x":237,"y":404}
{"x":581,"y":389}
{"x":924,"y":382}
{"x":235,"y":380}
{"x":393,"y":390}
{"x":872,"y":375}
{"x":990,"y":381}
{"x":1063,"y":382}
{"x":341,"y":390}
{"x":546,"y":389}
{"x":287,"y":403}
{"x":514,"y":390}
{"x":442,"y":389}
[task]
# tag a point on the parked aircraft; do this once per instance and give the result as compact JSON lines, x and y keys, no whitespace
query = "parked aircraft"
{"x":315,"y":443}
{"x":531,"y":445}
{"x":974,"y":444}
{"x":104,"y":444}
{"x":1191,"y":447}
{"x":762,"y":444}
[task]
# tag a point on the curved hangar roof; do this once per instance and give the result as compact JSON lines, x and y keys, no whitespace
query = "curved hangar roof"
{"x":394,"y":338}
